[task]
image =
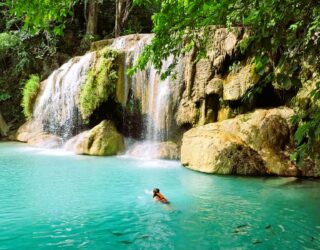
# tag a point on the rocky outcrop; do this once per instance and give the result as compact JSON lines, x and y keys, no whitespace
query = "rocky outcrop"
{"x":212,"y":78}
{"x":252,"y":144}
{"x":32,"y":133}
{"x":102,"y":140}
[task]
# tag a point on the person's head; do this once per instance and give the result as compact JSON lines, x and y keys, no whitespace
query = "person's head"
{"x":156,"y":190}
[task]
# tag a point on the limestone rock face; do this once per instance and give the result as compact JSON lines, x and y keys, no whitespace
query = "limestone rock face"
{"x":102,"y":140}
{"x":224,"y":114}
{"x":215,"y":86}
{"x":206,"y":80}
{"x":250,"y":144}
{"x":237,"y":84}
{"x":222,"y":43}
{"x":202,"y":75}
{"x":187,"y":113}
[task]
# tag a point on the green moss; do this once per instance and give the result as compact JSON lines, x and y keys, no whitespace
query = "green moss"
{"x":100,"y":83}
{"x":29,"y":93}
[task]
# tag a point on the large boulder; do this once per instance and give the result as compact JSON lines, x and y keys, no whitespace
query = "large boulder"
{"x":250,"y":144}
{"x":102,"y":140}
{"x":209,"y":150}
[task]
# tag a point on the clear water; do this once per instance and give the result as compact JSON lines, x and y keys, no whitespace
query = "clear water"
{"x":51,"y":200}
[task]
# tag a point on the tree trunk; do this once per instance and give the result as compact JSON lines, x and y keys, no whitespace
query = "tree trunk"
{"x":123,"y":8}
{"x":92,"y":24}
{"x":4,"y":129}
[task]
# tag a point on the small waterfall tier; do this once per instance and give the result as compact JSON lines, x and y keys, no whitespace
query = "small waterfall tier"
{"x":56,"y":107}
{"x":156,"y":96}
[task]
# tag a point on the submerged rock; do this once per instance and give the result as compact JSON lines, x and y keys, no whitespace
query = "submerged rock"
{"x":102,"y":140}
{"x":250,"y":144}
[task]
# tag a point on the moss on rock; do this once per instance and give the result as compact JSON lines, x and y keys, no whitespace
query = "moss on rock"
{"x":240,"y":159}
{"x":100,"y":83}
{"x":102,"y":140}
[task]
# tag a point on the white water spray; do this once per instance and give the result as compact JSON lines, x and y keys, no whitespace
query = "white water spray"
{"x":56,"y":107}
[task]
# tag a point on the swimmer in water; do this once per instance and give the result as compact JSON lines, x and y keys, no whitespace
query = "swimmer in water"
{"x":157,"y":196}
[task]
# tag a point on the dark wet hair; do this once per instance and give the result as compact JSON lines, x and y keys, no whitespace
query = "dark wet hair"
{"x":156,"y":190}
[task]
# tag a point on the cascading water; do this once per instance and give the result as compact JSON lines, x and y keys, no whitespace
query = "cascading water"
{"x":56,"y":107}
{"x":154,"y":95}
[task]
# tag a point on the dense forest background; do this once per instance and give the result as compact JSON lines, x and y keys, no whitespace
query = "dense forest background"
{"x":282,"y":36}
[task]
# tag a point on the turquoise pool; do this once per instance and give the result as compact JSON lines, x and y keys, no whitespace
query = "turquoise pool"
{"x":50,"y":200}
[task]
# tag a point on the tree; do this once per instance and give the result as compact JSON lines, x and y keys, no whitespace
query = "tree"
{"x":92,"y":20}
{"x":123,"y":9}
{"x":49,"y":15}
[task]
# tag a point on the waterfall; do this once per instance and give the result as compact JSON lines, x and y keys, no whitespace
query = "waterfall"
{"x":56,"y":105}
{"x":153,"y":93}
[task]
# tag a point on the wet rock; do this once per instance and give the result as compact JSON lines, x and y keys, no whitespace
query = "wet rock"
{"x":168,"y":150}
{"x":155,"y":150}
{"x":45,"y":140}
{"x":102,"y":140}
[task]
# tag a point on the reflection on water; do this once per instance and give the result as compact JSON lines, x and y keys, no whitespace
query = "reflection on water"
{"x":51,"y":200}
